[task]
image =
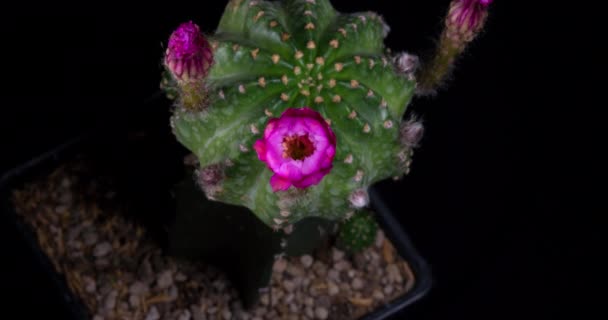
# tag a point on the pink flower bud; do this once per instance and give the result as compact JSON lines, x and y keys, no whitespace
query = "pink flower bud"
{"x":189,"y":55}
{"x":465,"y":19}
{"x":298,"y":147}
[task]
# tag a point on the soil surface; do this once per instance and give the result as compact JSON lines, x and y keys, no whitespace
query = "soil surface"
{"x":119,"y":272}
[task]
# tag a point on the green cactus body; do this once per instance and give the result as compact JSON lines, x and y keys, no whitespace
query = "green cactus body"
{"x":270,"y":56}
{"x":358,"y":232}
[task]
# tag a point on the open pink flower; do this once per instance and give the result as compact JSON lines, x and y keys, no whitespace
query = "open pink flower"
{"x":189,"y":55}
{"x":299,"y":147}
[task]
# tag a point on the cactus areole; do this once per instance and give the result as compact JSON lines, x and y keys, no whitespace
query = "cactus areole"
{"x":303,"y":109}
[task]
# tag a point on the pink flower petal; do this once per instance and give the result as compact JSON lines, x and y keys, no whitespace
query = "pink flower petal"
{"x":260,"y":147}
{"x":279,"y":183}
{"x":312,"y":179}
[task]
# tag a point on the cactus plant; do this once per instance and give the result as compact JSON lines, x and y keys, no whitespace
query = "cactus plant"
{"x":293,"y":110}
{"x":273,"y":56}
{"x":357,"y":232}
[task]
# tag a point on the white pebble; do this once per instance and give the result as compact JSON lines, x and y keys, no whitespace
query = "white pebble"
{"x":309,"y":312}
{"x":139,"y":288}
{"x":90,"y":284}
{"x":342,"y":265}
{"x":357,"y":284}
{"x":165,"y":279}
{"x":173,"y":293}
{"x":265,"y":299}
{"x":180,"y":277}
{"x":153,"y":314}
{"x":288,"y":298}
{"x":134,"y":301}
{"x":186,"y":315}
{"x":294,"y":308}
{"x":321,"y":313}
{"x":110,"y":300}
{"x":226,"y":314}
{"x":388,"y":290}
{"x":102,"y":249}
{"x":306,"y":261}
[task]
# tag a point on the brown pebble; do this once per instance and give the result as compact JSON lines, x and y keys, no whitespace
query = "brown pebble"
{"x":90,"y":238}
{"x":388,"y":252}
{"x":379,"y":239}
{"x":361,"y":302}
{"x":332,"y":288}
{"x":378,"y":295}
{"x":333,"y":274}
{"x":289,"y":285}
{"x":337,"y":255}
{"x":295,"y":271}
{"x":357,"y":284}
{"x":309,"y":301}
{"x":394,"y":275}
{"x":102,"y":263}
{"x":279,"y":265}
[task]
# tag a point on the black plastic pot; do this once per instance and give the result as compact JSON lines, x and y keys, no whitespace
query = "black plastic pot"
{"x":110,"y":143}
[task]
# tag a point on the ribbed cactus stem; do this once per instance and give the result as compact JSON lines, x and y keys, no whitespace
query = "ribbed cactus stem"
{"x":464,"y":21}
{"x":302,"y":109}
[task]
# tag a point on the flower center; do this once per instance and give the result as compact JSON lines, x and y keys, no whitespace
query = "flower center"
{"x":297,"y":147}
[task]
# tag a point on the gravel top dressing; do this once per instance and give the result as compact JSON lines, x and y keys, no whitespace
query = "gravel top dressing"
{"x":119,"y":272}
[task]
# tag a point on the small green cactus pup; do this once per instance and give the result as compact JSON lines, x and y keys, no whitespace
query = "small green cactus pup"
{"x":357,"y":232}
{"x":300,"y":112}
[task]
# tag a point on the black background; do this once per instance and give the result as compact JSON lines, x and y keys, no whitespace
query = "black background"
{"x":498,"y":200}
